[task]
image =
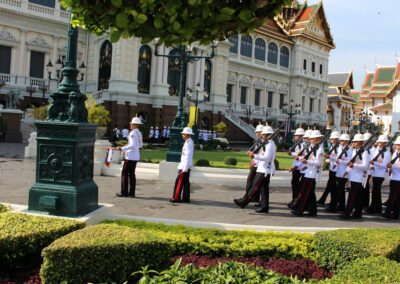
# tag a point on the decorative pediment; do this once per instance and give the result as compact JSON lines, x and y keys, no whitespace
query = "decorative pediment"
{"x":231,"y":77}
{"x":271,"y":86}
{"x":6,"y":35}
{"x":39,"y":41}
{"x":283,"y":89}
{"x":259,"y":83}
{"x":245,"y":81}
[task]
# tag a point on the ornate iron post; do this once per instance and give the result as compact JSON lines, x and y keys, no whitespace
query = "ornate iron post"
{"x":64,"y":183}
{"x":196,"y":103}
{"x":184,"y":57}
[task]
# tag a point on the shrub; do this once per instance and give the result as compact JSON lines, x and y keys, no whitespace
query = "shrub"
{"x":369,"y":270}
{"x":224,"y":145}
{"x":202,"y":163}
{"x":227,"y":272}
{"x":148,"y":146}
{"x":97,"y":113}
{"x":39,"y":113}
{"x":102,"y":253}
{"x":121,"y":143}
{"x":22,"y":238}
{"x":215,"y":242}
{"x":302,"y":268}
{"x":276,"y":164}
{"x":230,"y":161}
{"x":4,"y":208}
{"x":220,"y":127}
{"x":337,"y":248}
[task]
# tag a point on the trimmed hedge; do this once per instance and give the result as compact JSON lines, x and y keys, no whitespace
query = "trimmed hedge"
{"x":218,"y":243}
{"x":202,"y":163}
{"x":335,"y":249}
{"x":102,"y":253}
{"x":230,"y":161}
{"x":369,"y":270}
{"x":23,"y":237}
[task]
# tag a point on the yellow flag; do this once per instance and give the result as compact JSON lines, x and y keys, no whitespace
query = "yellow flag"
{"x":192,"y":115}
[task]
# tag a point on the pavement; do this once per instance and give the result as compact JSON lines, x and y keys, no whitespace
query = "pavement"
{"x":209,"y":203}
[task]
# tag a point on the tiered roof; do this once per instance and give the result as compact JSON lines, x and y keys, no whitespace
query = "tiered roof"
{"x":358,"y":105}
{"x":396,"y":82}
{"x":382,"y":81}
{"x":340,"y":85}
{"x":366,"y":87}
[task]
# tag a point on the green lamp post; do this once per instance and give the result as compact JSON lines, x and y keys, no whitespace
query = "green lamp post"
{"x":182,"y":57}
{"x":290,"y":113}
{"x":64,"y":183}
{"x":196,"y":102}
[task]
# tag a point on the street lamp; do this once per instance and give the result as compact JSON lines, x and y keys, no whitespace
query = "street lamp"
{"x":248,"y":113}
{"x":196,"y":101}
{"x":60,"y":63}
{"x":30,"y":89}
{"x":290,"y":112}
{"x":182,"y":57}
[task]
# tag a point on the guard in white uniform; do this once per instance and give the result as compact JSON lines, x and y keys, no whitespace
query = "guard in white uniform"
{"x":164,"y":134}
{"x":151,"y":134}
{"x":265,"y":168}
{"x":297,"y":165}
{"x":378,"y":173}
{"x":393,"y":208}
{"x":338,"y":202}
{"x":156,"y":134}
{"x":182,"y":183}
{"x":253,"y":169}
{"x":307,"y":199}
{"x":135,"y":142}
{"x":356,"y":172}
{"x":365,"y":189}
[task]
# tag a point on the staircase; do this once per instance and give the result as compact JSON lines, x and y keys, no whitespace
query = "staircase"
{"x":246,"y":128}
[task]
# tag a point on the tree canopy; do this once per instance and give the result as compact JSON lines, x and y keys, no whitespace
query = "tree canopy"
{"x":172,"y":21}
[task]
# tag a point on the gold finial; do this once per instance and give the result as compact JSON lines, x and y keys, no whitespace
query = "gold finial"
{"x":309,"y":128}
{"x":315,"y":128}
{"x":266,"y":124}
{"x":359,"y":131}
{"x":136,"y":115}
{"x":260,"y":123}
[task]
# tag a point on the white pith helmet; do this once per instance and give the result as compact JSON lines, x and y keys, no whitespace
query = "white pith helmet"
{"x":187,"y":130}
{"x":335,"y":135}
{"x":267,"y":130}
{"x":345,"y":136}
{"x":307,"y":133}
{"x":358,"y":137}
{"x":383,"y":138}
{"x":136,"y":120}
{"x":299,"y":131}
{"x":367,"y":135}
{"x":397,"y":141}
{"x":259,"y":128}
{"x":315,"y":134}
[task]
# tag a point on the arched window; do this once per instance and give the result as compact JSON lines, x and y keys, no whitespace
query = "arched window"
{"x":105,"y":65}
{"x":144,"y":70}
{"x":207,"y":78}
{"x":284,"y":57}
{"x":259,"y":52}
{"x":246,"y":46}
{"x":173,"y":74}
{"x":234,"y":40}
{"x":272,"y":53}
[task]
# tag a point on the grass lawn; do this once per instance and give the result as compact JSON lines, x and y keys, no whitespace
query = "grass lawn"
{"x":216,"y":158}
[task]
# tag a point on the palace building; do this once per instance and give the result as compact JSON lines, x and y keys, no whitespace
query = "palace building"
{"x":279,"y":69}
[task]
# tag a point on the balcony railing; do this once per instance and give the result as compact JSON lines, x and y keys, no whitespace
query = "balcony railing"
{"x":14,"y":3}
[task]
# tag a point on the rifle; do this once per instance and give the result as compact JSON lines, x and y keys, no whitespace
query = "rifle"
{"x":295,"y":145}
{"x":366,"y":146}
{"x":395,"y":159}
{"x":315,"y":147}
{"x":334,"y":147}
{"x":344,"y":151}
{"x":383,"y":150}
{"x":271,"y":137}
{"x":255,"y":144}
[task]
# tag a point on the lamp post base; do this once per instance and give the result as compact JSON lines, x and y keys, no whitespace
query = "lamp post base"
{"x":175,"y":146}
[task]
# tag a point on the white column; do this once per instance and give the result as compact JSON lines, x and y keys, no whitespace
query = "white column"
{"x":202,"y":62}
{"x":165,"y":65}
{"x":13,"y":60}
{"x":22,"y":51}
{"x":160,"y":65}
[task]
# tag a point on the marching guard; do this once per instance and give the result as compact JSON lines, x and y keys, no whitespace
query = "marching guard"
{"x":366,"y":188}
{"x":297,"y":165}
{"x":393,"y":207}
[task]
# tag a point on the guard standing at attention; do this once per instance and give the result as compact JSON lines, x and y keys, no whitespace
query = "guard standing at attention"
{"x":393,"y":208}
{"x":135,"y":142}
{"x":182,"y":183}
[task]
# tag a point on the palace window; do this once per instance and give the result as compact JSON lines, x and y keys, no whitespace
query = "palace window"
{"x":281,"y":100}
{"x":311,"y":104}
{"x":47,"y":3}
{"x":37,"y":64}
{"x":260,"y":49}
{"x":229,"y":89}
{"x":243,"y":93}
{"x":144,"y":70}
{"x":313,"y":67}
{"x":5,"y":59}
{"x":319,"y":106}
{"x":270,"y":98}
{"x":105,"y":65}
{"x":320,"y":69}
{"x":303,"y":102}
{"x":173,"y":78}
{"x":246,"y":46}
{"x":272,"y":53}
{"x":234,"y":40}
{"x":284,"y":57}
{"x":305,"y":64}
{"x":207,"y":78}
{"x":257,"y":93}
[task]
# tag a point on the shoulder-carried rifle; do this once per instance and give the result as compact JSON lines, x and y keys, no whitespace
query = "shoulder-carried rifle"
{"x":365,"y":147}
{"x":257,"y":142}
{"x":383,"y":150}
{"x":295,"y":145}
{"x":345,"y":149}
{"x":334,"y":148}
{"x":315,"y":147}
{"x":265,"y":142}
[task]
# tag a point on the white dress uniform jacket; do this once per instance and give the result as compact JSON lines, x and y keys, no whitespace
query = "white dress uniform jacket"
{"x":266,"y":159}
{"x":156,"y":134}
{"x":332,"y":160}
{"x":135,"y":142}
{"x":301,"y":165}
{"x":344,"y":160}
{"x":379,"y":167}
{"x":296,"y":163}
{"x":314,"y":164}
{"x":356,"y":174}
{"x":187,"y":155}
{"x":396,"y":167}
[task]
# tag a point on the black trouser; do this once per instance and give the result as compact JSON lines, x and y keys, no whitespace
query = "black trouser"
{"x":306,"y":199}
{"x":259,"y":184}
{"x":330,"y":188}
{"x":339,"y":196}
{"x":376,"y":200}
{"x":354,"y":200}
{"x":182,"y":184}
{"x":393,"y":207}
{"x":128,"y":170}
{"x":365,"y":193}
{"x":250,"y":178}
{"x":295,"y":184}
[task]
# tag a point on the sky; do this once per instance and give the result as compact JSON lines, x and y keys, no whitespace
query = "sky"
{"x":365,"y":32}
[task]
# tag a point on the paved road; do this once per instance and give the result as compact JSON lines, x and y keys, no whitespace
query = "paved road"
{"x":210,"y":203}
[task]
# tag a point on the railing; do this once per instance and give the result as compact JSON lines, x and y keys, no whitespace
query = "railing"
{"x":5,"y":77}
{"x":249,"y":129}
{"x":15,"y":3}
{"x":35,"y":81}
{"x":64,"y":14}
{"x":40,"y":9}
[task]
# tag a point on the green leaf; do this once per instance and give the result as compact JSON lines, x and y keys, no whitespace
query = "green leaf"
{"x":115,"y":35}
{"x":158,"y":23}
{"x":141,"y":18}
{"x":227,"y":11}
{"x":176,"y":26}
{"x":223,"y":18}
{"x":192,"y":2}
{"x":116,"y":3}
{"x":121,"y":20}
{"x":246,"y":15}
{"x":125,"y":34}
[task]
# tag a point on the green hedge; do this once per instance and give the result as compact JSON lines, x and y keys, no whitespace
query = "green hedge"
{"x":369,"y":270}
{"x":215,"y":242}
{"x":335,"y":249}
{"x":23,"y":237}
{"x":227,"y":272}
{"x":230,"y":161}
{"x":102,"y":253}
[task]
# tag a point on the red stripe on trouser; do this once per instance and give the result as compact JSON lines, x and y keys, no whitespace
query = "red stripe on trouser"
{"x":178,"y":187}
{"x":352,"y":199}
{"x":339,"y":193}
{"x":394,"y":200}
{"x":301,"y":192}
{"x":255,"y":189}
{"x":123,"y":179}
{"x":305,"y":199}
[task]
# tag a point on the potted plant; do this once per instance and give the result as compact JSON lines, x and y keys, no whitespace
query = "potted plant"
{"x":97,"y":114}
{"x":220,"y":128}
